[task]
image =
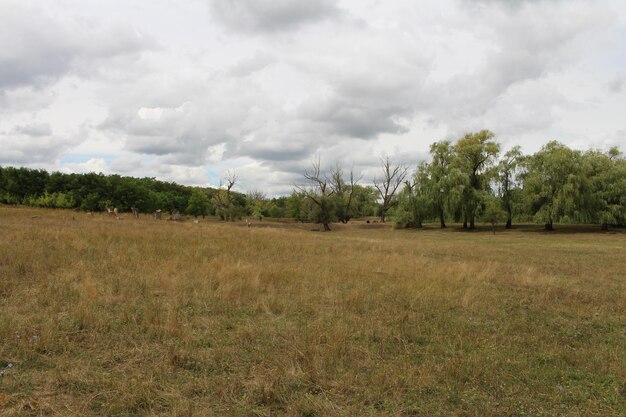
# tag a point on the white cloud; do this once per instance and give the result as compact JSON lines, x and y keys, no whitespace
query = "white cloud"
{"x":275,"y":83}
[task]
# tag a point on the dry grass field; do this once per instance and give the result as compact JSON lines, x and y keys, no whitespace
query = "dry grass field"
{"x":139,"y":317}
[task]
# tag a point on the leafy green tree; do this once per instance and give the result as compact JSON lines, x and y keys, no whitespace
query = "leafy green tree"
{"x":364,"y":201}
{"x":508,"y":182}
{"x":476,"y":154}
{"x":298,"y":207}
{"x":552,"y":182}
{"x":198,"y":203}
{"x":606,"y":199}
{"x":414,"y":202}
{"x":440,"y":178}
{"x":493,"y":212}
{"x":257,"y":204}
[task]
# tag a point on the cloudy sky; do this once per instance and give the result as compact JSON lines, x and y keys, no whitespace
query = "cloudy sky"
{"x":186,"y":90}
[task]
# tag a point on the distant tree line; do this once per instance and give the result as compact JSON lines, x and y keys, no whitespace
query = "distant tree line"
{"x":95,"y":192}
{"x":466,"y":182}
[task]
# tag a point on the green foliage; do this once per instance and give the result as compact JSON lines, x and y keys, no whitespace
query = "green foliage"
{"x":553,"y":183}
{"x":508,"y":184}
{"x":198,"y":203}
{"x":493,"y":212}
{"x":364,"y":201}
{"x":475,"y":156}
{"x":298,"y":207}
{"x":461,"y":182}
{"x":413,"y":203}
{"x":441,"y":181}
{"x":92,"y":192}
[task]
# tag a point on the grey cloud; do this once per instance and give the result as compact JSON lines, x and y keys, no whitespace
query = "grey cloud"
{"x":38,"y":49}
{"x":253,"y":64}
{"x":270,"y":15}
{"x":23,"y":149}
{"x":530,"y":44}
{"x":618,"y":84}
{"x":33,"y":129}
{"x":182,"y":125}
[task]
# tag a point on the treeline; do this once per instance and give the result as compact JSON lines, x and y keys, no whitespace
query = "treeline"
{"x":96,"y":192}
{"x":465,"y":181}
{"x":470,"y":180}
{"x":89,"y":192}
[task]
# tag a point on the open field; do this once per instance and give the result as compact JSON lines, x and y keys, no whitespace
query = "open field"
{"x":139,"y":317}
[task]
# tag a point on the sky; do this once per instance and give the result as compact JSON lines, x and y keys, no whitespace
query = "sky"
{"x":187,"y":91}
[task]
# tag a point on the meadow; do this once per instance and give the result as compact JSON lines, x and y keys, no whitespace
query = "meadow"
{"x":144,"y":317}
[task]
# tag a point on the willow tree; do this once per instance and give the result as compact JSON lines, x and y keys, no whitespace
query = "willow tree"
{"x":439,"y":179}
{"x":508,"y":182}
{"x":476,"y":154}
{"x":606,"y":199}
{"x":552,"y":182}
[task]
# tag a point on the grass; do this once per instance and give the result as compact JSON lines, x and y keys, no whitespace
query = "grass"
{"x":139,"y":317}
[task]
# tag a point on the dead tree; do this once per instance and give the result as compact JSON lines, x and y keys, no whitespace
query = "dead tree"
{"x":387,"y":186}
{"x":135,"y":211}
{"x":223,"y":198}
{"x":157,"y":215}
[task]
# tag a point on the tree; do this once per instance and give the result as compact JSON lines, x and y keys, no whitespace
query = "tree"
{"x":476,"y":154}
{"x":393,"y":176}
{"x":319,"y":193}
{"x":343,"y":194}
{"x":507,"y":181}
{"x":439,"y":178}
{"x":257,"y":203}
{"x":225,"y":200}
{"x":364,"y":201}
{"x":198,"y":203}
{"x":606,"y":198}
{"x":552,"y":182}
{"x":493,"y":213}
{"x":298,"y":207}
{"x":414,"y":201}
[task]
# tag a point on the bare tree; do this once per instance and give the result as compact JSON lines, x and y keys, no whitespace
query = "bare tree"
{"x":223,"y":199}
{"x":256,"y":195}
{"x":319,"y":192}
{"x":387,"y":186}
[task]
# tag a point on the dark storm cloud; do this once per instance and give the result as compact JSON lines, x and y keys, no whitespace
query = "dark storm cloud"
{"x":270,"y":15}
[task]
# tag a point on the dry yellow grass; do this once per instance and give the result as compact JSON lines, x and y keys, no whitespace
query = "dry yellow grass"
{"x":126,"y":318}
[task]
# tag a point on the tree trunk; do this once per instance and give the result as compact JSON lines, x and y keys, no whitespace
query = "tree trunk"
{"x":549,"y":225}
{"x":326,"y":227}
{"x":493,"y":228}
{"x":509,"y":223}
{"x":472,"y":226}
{"x":442,"y":220}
